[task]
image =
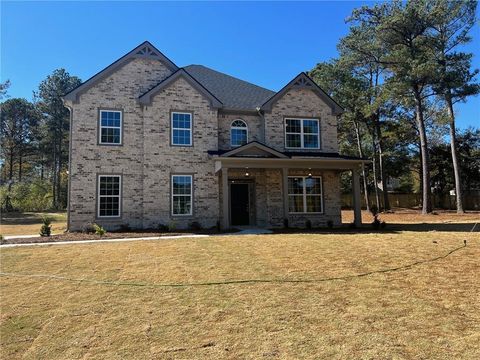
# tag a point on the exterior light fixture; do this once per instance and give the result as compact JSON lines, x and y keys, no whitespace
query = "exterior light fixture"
{"x":246,"y":172}
{"x":309,"y":172}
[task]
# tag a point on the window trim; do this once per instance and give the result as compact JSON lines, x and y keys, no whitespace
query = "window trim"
{"x":172,"y":195}
{"x":238,"y":128}
{"x":172,"y":128}
{"x":302,"y":134}
{"x":100,"y":142}
{"x":120,"y":196}
{"x":304,"y":196}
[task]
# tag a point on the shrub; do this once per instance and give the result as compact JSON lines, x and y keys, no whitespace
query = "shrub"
{"x":330,"y":224}
{"x":172,"y":225}
{"x":125,"y":228}
{"x":308,"y":224}
{"x":376,"y":223}
{"x":162,"y":228}
{"x":99,"y":230}
{"x":285,"y":223}
{"x":27,"y":196}
{"x":195,"y":226}
{"x":88,"y":229}
{"x":2,"y":239}
{"x":46,"y":228}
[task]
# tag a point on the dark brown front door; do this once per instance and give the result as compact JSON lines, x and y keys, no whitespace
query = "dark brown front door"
{"x":239,"y":204}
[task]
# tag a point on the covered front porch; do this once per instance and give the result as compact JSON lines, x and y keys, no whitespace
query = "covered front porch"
{"x":279,"y":190}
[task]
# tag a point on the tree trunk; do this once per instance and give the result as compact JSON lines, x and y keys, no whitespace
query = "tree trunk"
{"x":383,"y":179}
{"x":59,"y":173}
{"x":54,"y":176}
{"x":20,"y":161}
{"x":426,"y":191}
{"x":364,"y":173}
{"x":453,"y":146}
{"x":10,"y":171}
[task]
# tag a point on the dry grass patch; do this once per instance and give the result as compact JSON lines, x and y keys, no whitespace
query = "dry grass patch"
{"x":29,"y":223}
{"x":428,"y":311}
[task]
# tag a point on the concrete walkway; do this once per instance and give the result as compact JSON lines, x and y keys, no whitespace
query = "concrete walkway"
{"x":102,"y":240}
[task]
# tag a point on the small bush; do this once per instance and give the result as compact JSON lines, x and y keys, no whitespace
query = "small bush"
{"x":195,"y":226}
{"x":2,"y":239}
{"x":308,"y":224}
{"x":88,"y":229}
{"x":162,"y":228}
{"x":46,"y":229}
{"x":376,"y":223}
{"x":285,"y":223}
{"x":125,"y":228}
{"x":330,"y":224}
{"x":99,"y":230}
{"x":172,"y":225}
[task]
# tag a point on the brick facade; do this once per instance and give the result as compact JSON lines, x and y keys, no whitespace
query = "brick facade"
{"x":146,"y":160}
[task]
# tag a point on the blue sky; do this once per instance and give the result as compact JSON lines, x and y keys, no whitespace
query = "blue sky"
{"x":266,"y":43}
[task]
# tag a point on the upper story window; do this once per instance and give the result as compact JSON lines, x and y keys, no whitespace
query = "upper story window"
{"x":305,"y":194}
{"x":181,"y":125}
{"x":238,"y":133}
{"x":110,"y":127}
{"x":109,"y":195}
{"x":302,"y":133}
{"x":182,"y":191}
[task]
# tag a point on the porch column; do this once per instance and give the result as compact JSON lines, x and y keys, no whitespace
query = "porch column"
{"x":285,"y":191}
{"x":225,"y":196}
{"x":357,"y":206}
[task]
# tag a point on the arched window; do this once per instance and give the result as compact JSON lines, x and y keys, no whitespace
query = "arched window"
{"x":238,"y":133}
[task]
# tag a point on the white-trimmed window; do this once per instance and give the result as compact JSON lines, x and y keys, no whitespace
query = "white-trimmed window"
{"x":181,"y":124}
{"x":238,"y":133}
{"x":305,"y":194}
{"x":109,"y":195}
{"x":110,"y":127}
{"x":302,"y":133}
{"x":182,"y":191}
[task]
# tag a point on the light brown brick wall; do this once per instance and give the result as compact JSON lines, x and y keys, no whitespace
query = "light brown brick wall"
{"x":254,"y":123}
{"x":298,"y":103}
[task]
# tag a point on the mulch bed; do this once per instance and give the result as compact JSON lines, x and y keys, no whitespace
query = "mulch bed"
{"x":79,"y":236}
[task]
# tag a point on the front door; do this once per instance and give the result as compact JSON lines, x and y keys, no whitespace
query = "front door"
{"x":240,"y":204}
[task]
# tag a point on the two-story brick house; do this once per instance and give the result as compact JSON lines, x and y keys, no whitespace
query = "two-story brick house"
{"x":152,"y":143}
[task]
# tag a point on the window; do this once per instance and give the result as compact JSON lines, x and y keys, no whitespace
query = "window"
{"x":302,"y":133}
{"x":181,"y":194}
{"x":110,"y":127}
{"x":305,"y":194}
{"x":109,"y":193}
{"x":238,"y":133}
{"x":181,"y":129}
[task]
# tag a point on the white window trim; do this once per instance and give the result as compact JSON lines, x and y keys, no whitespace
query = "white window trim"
{"x":237,"y":128}
{"x":172,"y":128}
{"x":301,"y":133}
{"x":110,"y":127}
{"x":119,"y":197}
{"x":172,"y":195}
{"x":304,"y":195}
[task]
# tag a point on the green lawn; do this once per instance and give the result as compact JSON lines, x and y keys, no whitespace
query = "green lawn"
{"x":430,"y":310}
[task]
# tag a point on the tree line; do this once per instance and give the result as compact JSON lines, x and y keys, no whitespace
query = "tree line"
{"x":400,"y":71}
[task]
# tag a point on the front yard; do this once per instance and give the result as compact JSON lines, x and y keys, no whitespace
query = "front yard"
{"x":166,"y":299}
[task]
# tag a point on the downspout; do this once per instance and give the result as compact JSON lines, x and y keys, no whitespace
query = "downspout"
{"x":70,"y":109}
{"x":262,"y":116}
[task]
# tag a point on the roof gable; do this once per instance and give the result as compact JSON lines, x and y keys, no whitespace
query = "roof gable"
{"x":254,"y":149}
{"x":303,"y":81}
{"x":145,"y":50}
{"x":146,"y":98}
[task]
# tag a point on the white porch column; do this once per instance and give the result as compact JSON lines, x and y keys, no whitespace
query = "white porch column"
{"x":225,"y":196}
{"x":357,"y":205}
{"x":285,"y":191}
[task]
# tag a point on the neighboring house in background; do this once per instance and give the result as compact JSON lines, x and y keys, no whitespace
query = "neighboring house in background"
{"x":152,"y":143}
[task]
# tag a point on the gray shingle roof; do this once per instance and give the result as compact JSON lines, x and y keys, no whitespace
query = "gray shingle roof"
{"x":232,"y":92}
